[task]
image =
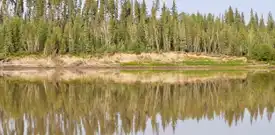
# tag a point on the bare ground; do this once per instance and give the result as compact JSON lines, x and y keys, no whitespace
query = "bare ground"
{"x":113,"y":60}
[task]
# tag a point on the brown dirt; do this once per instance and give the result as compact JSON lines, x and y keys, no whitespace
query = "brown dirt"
{"x":113,"y":60}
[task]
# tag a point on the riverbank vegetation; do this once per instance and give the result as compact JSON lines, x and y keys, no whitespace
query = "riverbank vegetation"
{"x":57,"y":27}
{"x":129,"y":60}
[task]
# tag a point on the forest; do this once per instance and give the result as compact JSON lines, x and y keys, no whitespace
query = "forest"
{"x":57,"y":27}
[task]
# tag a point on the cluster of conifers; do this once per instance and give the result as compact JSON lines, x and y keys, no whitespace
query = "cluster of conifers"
{"x":96,"y":26}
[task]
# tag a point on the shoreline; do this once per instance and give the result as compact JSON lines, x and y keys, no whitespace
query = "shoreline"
{"x":254,"y":67}
{"x":156,"y":61}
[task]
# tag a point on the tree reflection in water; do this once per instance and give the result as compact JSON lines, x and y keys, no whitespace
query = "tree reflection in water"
{"x":107,"y":107}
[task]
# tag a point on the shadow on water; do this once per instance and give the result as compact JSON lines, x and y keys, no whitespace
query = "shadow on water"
{"x":100,"y":106}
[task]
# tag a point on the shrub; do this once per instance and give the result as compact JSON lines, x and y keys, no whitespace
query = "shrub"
{"x":263,"y":52}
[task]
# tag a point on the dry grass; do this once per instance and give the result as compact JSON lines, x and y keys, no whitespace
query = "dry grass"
{"x":113,"y":60}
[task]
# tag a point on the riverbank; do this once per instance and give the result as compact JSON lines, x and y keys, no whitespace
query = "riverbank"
{"x":124,"y":60}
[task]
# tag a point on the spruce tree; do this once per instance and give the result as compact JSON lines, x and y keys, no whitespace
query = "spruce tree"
{"x":270,"y":22}
{"x":64,"y":27}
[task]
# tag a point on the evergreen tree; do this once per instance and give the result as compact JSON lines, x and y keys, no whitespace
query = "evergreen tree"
{"x":270,"y":22}
{"x":65,"y":27}
{"x":229,"y":18}
{"x":252,"y":21}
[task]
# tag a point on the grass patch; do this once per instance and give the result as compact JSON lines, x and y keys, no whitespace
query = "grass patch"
{"x":190,"y":73}
{"x":135,"y":63}
{"x":199,"y":73}
{"x":272,"y":63}
{"x":209,"y":62}
{"x":189,"y":62}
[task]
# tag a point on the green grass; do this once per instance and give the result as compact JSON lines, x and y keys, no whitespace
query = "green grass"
{"x":134,"y":63}
{"x":183,"y":71}
{"x":197,"y":73}
{"x":272,"y":63}
{"x":191,"y":62}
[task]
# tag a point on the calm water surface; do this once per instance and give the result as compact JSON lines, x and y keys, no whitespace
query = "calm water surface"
{"x":224,"y":106}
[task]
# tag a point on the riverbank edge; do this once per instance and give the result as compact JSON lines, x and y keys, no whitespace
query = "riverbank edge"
{"x":157,"y":61}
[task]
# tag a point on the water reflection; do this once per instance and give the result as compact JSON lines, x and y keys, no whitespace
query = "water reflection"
{"x":97,"y":106}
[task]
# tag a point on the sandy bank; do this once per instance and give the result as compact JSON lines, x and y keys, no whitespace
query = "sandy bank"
{"x":119,"y":60}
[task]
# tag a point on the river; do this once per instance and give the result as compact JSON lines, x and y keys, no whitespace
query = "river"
{"x":138,"y":102}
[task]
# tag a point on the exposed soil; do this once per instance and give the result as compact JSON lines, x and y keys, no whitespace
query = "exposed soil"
{"x":113,"y":60}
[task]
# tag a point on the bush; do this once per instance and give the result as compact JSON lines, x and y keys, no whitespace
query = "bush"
{"x":263,"y":53}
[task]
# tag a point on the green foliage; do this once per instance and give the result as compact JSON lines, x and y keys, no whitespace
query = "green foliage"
{"x":188,"y":62}
{"x":263,"y":52}
{"x":64,"y":27}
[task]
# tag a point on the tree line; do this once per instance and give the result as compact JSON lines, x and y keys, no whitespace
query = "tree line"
{"x":97,"y":26}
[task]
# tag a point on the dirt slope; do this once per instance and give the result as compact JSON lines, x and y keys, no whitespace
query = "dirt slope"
{"x":108,"y":60}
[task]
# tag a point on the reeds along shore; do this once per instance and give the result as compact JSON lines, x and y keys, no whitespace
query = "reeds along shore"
{"x":97,"y":104}
{"x":97,"y":26}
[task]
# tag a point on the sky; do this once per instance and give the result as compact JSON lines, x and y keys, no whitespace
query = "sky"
{"x":219,"y":6}
{"x":262,"y":7}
